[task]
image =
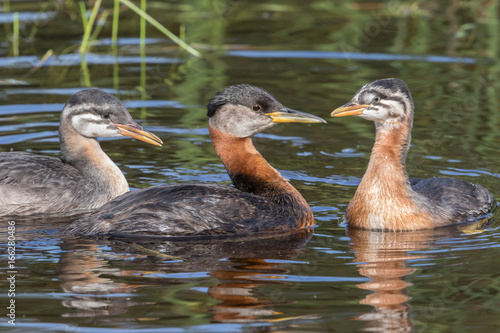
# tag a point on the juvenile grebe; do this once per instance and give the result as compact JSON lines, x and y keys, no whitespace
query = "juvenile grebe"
{"x":84,"y":178}
{"x":386,"y":198}
{"x":263,"y":200}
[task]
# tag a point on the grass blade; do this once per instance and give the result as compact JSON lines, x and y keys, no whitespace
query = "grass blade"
{"x":160,"y":27}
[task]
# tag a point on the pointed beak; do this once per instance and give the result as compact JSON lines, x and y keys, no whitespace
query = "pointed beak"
{"x":137,"y":132}
{"x":349,"y":109}
{"x":287,"y":115}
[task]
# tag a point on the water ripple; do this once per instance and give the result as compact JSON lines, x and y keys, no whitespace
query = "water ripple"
{"x":347,"y":55}
{"x":27,"y":16}
{"x":76,"y":60}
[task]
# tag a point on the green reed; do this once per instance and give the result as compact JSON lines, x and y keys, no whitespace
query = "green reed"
{"x":142,"y":51}
{"x":114,"y":46}
{"x":160,"y":27}
{"x":84,"y":47}
{"x":91,"y":33}
{"x":12,"y":35}
{"x":15,"y":35}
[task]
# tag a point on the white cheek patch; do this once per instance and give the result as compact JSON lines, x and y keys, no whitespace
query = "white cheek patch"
{"x":389,"y":111}
{"x":91,"y":125}
{"x":395,"y":109}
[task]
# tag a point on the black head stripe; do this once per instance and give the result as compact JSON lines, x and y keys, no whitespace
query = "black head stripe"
{"x":240,"y":94}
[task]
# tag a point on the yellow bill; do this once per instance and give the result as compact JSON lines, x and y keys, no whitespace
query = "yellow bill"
{"x":137,"y":132}
{"x":349,"y":109}
{"x":287,"y":115}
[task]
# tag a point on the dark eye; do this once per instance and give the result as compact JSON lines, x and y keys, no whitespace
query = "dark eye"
{"x":376,"y":99}
{"x":256,"y":107}
{"x":106,"y":116}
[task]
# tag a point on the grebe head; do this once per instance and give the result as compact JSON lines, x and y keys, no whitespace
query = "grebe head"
{"x":383,"y":101}
{"x":244,"y":110}
{"x":93,"y":113}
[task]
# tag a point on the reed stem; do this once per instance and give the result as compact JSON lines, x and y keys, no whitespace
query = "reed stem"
{"x":15,"y":35}
{"x":87,"y":24}
{"x":114,"y":47}
{"x":160,"y":27}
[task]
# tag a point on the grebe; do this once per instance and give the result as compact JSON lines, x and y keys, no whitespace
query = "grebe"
{"x":85,"y":177}
{"x":386,"y":198}
{"x":263,"y":200}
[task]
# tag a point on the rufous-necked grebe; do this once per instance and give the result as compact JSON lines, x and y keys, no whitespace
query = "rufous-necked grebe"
{"x":386,"y":198}
{"x":261,"y":201}
{"x":85,"y":177}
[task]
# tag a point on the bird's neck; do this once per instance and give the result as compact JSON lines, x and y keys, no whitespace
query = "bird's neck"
{"x":250,"y":172}
{"x":384,"y":198}
{"x":86,"y":155}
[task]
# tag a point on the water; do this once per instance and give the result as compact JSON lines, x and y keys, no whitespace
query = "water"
{"x":313,"y":56}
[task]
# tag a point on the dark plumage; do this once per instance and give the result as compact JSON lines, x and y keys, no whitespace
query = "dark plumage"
{"x":85,"y":177}
{"x":244,"y":94}
{"x":263,"y":201}
{"x":459,"y":199}
{"x":386,"y":198}
{"x":171,"y":210}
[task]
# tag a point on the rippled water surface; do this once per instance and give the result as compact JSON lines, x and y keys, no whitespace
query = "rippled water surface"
{"x":313,"y":56}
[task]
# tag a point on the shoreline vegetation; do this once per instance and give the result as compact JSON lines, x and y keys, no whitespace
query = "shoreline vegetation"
{"x":93,"y":18}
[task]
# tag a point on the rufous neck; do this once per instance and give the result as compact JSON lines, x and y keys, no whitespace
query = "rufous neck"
{"x":393,"y":140}
{"x":249,"y":171}
{"x":385,"y":192}
{"x":387,"y":160}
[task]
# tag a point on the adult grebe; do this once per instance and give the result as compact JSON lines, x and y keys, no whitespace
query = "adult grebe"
{"x":386,"y":198}
{"x":85,"y":178}
{"x":263,"y":200}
